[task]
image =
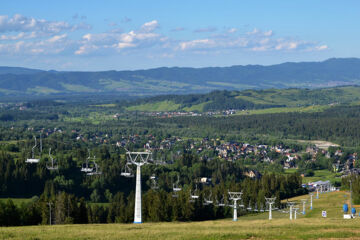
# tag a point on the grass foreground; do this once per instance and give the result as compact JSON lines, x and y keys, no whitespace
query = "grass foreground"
{"x":257,"y":226}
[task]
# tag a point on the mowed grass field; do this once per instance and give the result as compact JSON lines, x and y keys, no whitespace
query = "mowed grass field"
{"x":257,"y":226}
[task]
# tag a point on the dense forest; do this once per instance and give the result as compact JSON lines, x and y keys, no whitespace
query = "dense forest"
{"x":73,"y":131}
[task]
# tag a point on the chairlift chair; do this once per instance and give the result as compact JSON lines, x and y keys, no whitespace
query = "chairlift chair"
{"x":249,"y":208}
{"x":154,"y":184}
{"x":176,"y":187}
{"x":261,"y":207}
{"x":53,"y":165}
{"x":86,"y":168}
{"x":241,"y":204}
{"x":97,"y":171}
{"x":208,"y":200}
{"x":220,"y":203}
{"x":194,"y":195}
{"x":33,"y":159}
{"x":126,"y":171}
{"x":255,"y":208}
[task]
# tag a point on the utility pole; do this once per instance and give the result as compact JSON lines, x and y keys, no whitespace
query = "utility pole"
{"x":235,"y":196}
{"x":270,"y":201}
{"x":49,"y":203}
{"x":303,"y":204}
{"x":291,"y":205}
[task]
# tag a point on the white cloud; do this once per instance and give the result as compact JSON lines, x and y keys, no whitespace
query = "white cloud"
{"x":141,"y":38}
{"x":196,"y":44}
{"x":322,"y":47}
{"x":256,"y":40}
{"x":150,"y":26}
{"x":20,"y":35}
{"x":52,"y":45}
{"x":232,"y":30}
{"x":20,"y":23}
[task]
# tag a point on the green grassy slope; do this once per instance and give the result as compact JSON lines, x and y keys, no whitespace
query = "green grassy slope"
{"x":290,"y":100}
{"x":310,"y":226}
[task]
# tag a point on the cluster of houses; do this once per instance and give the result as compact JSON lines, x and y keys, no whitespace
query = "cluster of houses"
{"x":170,"y":114}
{"x":208,"y":149}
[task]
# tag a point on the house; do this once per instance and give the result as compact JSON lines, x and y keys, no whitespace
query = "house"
{"x":253,"y":174}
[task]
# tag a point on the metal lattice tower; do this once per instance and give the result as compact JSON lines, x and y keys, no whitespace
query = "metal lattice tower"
{"x":235,"y":196}
{"x":270,"y":201}
{"x":291,"y":205}
{"x":139,"y":159}
{"x":303,"y":205}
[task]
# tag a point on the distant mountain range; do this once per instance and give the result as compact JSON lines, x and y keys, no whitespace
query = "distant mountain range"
{"x":176,"y":80}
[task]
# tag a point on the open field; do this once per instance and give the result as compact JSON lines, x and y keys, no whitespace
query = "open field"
{"x":318,"y":175}
{"x":310,"y":226}
{"x":323,"y":175}
{"x":319,"y":143}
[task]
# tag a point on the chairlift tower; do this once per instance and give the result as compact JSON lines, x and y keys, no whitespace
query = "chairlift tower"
{"x":295,"y":212}
{"x":235,"y":196}
{"x":139,"y":159}
{"x":50,"y":204}
{"x":270,"y":201}
{"x":317,"y":192}
{"x":303,"y":205}
{"x":291,"y":205}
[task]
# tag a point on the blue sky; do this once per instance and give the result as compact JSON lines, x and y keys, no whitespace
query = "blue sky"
{"x":104,"y":35}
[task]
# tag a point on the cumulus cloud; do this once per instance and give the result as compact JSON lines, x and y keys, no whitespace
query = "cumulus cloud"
{"x":145,"y":36}
{"x":149,"y":26}
{"x":255,"y":40}
{"x":198,"y":43}
{"x":27,"y":35}
{"x":52,"y":45}
{"x":20,"y":23}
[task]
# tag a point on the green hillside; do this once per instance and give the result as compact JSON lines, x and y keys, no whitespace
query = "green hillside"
{"x":177,"y":80}
{"x":254,"y":101}
{"x":310,"y":226}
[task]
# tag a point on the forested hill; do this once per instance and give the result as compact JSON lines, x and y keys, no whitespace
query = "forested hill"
{"x":332,"y":72}
{"x":286,"y":99}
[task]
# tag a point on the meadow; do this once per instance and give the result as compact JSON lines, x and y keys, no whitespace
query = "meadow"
{"x":309,"y":226}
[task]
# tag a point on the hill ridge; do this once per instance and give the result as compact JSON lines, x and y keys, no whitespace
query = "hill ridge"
{"x":180,"y":80}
